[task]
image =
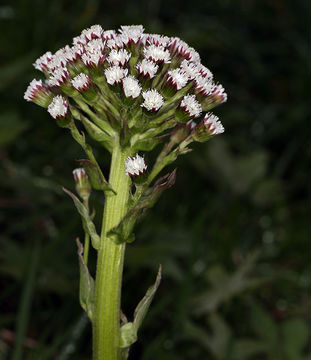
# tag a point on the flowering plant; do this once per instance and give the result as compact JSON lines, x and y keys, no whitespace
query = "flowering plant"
{"x":131,"y":92}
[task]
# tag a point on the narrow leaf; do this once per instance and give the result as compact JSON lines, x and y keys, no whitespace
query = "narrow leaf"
{"x":87,"y":285}
{"x":143,"y":306}
{"x":88,"y":224}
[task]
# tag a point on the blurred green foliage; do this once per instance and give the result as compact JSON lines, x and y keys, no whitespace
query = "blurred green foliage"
{"x":232,"y":235}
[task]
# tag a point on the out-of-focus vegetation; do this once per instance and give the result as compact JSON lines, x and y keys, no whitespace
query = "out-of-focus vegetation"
{"x":233,"y":234}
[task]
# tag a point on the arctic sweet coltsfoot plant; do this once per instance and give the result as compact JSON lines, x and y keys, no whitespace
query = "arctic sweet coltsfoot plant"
{"x":131,"y":92}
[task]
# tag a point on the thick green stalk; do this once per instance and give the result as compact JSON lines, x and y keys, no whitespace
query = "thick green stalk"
{"x":106,"y":323}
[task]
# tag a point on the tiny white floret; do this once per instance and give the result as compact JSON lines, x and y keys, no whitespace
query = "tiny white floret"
{"x":42,"y":62}
{"x":131,"y":87}
{"x":58,"y":107}
{"x":153,"y":100}
{"x":147,"y":68}
{"x":115,"y":74}
{"x":81,"y":82}
{"x":131,"y":33}
{"x":178,"y":78}
{"x":32,"y":89}
{"x":213,"y":124}
{"x":158,"y":54}
{"x":118,"y":57}
{"x":191,"y":106}
{"x":135,"y":166}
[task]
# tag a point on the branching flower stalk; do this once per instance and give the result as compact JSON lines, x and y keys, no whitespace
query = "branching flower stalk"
{"x":132,"y":93}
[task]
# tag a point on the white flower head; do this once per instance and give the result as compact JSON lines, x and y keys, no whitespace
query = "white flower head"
{"x":38,"y":93}
{"x":147,"y":68}
{"x":94,"y":32}
{"x":157,"y":54}
{"x":42,"y":62}
{"x":108,"y":34}
{"x":157,"y":40}
{"x":95,"y":46}
{"x":131,"y":33}
{"x":178,"y":78}
{"x":213,"y":124}
{"x":193,"y":55}
{"x":131,"y":87}
{"x":190,"y":68}
{"x":115,"y":43}
{"x":81,"y":82}
{"x":153,"y":100}
{"x":118,"y":57}
{"x":33,"y":88}
{"x":205,"y":86}
{"x":220,"y":93}
{"x":191,"y":106}
{"x":135,"y":166}
{"x":115,"y":74}
{"x":205,"y":72}
{"x":93,"y":58}
{"x":79,"y":40}
{"x":59,"y":76}
{"x":58,"y":107}
{"x":179,"y":47}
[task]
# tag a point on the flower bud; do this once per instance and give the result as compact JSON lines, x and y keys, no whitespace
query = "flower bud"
{"x":189,"y":108}
{"x":82,"y":83}
{"x":209,"y":126}
{"x":83,"y":186}
{"x":38,"y":93}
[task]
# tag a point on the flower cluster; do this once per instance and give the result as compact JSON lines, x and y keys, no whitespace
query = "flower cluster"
{"x":145,"y":83}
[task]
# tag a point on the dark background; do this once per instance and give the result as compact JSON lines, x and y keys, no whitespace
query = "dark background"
{"x":232,"y":234}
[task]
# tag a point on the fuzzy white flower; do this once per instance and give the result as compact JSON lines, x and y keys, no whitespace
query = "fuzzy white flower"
{"x":191,"y":106}
{"x":115,"y":43}
{"x":58,"y":107}
{"x":204,"y":85}
{"x":32,"y":89}
{"x":94,"y":32}
{"x":95,"y":46}
{"x":92,"y":59}
{"x":213,"y":124}
{"x":118,"y":57}
{"x":157,"y":54}
{"x":190,"y":68}
{"x":115,"y":74}
{"x":135,"y":166}
{"x":131,"y":33}
{"x":178,"y":78}
{"x":59,"y":77}
{"x":79,"y":40}
{"x":131,"y":87}
{"x":193,"y":55}
{"x":42,"y":62}
{"x":147,"y":68}
{"x":153,"y":100}
{"x":157,"y":40}
{"x":81,"y":82}
{"x":219,"y":91}
{"x":205,"y":72}
{"x":108,"y":34}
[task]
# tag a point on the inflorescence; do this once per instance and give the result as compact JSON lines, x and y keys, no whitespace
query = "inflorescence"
{"x":146,"y":83}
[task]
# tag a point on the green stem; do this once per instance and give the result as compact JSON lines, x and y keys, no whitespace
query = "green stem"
{"x":106,"y":324}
